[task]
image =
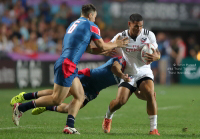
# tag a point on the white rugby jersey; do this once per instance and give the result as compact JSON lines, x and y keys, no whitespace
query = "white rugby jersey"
{"x":132,"y":53}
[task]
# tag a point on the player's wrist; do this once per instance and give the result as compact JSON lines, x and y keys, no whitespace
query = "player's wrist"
{"x":158,"y":58}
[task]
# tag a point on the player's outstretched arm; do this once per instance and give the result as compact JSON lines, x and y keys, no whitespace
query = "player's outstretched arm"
{"x":110,"y":45}
{"x":95,"y":50}
{"x":116,"y":69}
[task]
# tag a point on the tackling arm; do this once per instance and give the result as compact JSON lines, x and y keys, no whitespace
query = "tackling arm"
{"x":110,"y":45}
{"x":94,"y":50}
{"x":116,"y":69}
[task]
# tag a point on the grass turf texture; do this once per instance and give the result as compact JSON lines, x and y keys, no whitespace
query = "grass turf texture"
{"x":178,"y":108}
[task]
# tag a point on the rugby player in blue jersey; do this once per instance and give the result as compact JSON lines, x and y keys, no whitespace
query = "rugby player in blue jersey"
{"x":93,"y":81}
{"x":76,"y":40}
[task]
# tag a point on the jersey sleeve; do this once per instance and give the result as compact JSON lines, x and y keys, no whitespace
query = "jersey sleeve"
{"x":152,"y":39}
{"x":121,"y":61}
{"x":95,"y":32}
{"x":115,"y":59}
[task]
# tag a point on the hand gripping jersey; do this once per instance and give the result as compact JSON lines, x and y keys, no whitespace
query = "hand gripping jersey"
{"x":94,"y":80}
{"x":77,"y":38}
{"x":132,"y":53}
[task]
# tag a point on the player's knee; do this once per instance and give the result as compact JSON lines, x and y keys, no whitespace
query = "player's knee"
{"x":56,"y":100}
{"x":150,"y":93}
{"x":80,"y":96}
{"x":122,"y":101}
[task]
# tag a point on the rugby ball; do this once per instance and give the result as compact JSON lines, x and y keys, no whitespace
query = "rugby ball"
{"x":147,"y":48}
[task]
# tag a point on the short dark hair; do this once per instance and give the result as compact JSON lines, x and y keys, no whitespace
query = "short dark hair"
{"x":87,"y":9}
{"x":135,"y":17}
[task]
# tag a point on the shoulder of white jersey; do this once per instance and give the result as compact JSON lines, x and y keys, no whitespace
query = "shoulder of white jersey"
{"x":121,"y":34}
{"x":149,"y":34}
{"x":145,"y":32}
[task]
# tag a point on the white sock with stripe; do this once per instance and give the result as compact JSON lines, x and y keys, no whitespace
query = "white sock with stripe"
{"x":109,"y":114}
{"x":153,"y":122}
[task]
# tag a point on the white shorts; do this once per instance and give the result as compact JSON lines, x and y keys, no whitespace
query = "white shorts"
{"x":136,"y":80}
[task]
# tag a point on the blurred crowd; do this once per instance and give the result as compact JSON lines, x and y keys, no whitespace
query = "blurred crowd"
{"x":23,"y":31}
{"x":173,"y":50}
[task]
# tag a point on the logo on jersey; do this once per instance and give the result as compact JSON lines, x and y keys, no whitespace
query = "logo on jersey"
{"x":143,"y":40}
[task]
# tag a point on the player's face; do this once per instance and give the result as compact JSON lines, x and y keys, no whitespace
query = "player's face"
{"x":92,"y":16}
{"x":135,"y":27}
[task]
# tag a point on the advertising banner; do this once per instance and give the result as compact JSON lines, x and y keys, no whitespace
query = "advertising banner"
{"x":190,"y":71}
{"x":23,"y":74}
{"x":7,"y":74}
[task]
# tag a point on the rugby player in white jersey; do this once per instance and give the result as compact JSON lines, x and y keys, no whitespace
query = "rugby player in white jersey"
{"x":140,"y":73}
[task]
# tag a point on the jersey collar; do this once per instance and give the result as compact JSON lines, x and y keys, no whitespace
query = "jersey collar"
{"x":134,"y":37}
{"x":83,"y":18}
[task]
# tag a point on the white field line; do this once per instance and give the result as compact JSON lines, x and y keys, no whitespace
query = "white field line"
{"x":169,"y":107}
{"x":31,"y":127}
{"x":97,"y":117}
{"x":88,"y":118}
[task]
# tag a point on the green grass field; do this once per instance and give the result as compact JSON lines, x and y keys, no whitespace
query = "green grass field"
{"x":178,"y":108}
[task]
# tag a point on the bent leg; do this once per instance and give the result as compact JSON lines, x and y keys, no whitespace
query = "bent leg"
{"x":121,"y":99}
{"x":147,"y":90}
{"x":78,"y":94}
{"x":58,"y":96}
{"x":141,"y":95}
{"x":45,"y":92}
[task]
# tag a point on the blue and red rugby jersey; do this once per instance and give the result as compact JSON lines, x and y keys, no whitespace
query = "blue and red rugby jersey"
{"x":94,"y":80}
{"x":77,"y":38}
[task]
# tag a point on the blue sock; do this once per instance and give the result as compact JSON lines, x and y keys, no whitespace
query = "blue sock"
{"x":30,"y":96}
{"x":27,"y":106}
{"x":51,"y":108}
{"x":70,"y":121}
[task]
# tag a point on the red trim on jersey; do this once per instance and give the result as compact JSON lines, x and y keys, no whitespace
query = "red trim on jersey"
{"x":85,"y":72}
{"x":95,"y":30}
{"x":94,"y":39}
{"x":68,"y":67}
{"x":123,"y":62}
{"x":119,"y":57}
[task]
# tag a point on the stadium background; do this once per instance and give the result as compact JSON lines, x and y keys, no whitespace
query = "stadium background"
{"x":31,"y":33}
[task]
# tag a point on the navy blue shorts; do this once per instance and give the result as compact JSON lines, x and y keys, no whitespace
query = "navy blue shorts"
{"x":89,"y":96}
{"x":64,"y":72}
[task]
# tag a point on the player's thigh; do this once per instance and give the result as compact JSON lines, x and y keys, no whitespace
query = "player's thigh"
{"x":140,"y":95}
{"x":60,"y":92}
{"x":123,"y":94}
{"x":77,"y":89}
{"x":146,"y":87}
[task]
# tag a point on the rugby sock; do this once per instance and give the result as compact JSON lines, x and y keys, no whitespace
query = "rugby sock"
{"x":27,"y":106}
{"x":153,"y":122}
{"x":51,"y":108}
{"x":70,"y":121}
{"x":109,"y":114}
{"x":30,"y":96}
